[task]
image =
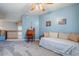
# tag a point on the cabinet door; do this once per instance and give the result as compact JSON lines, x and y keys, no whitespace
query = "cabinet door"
{"x":12,"y":35}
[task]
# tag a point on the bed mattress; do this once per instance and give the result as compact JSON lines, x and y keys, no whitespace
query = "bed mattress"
{"x":61,"y":46}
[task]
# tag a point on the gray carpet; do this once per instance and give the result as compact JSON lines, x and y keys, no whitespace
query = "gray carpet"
{"x":23,"y":49}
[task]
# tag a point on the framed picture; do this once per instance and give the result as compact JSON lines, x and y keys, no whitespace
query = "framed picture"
{"x":62,"y":21}
{"x":48,"y":23}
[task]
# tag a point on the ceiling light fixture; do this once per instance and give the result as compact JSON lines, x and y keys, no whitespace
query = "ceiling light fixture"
{"x":39,"y":6}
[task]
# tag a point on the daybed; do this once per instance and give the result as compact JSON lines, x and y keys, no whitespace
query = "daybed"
{"x":62,"y":43}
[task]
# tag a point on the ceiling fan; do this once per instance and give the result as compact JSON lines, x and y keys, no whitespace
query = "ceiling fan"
{"x":40,"y":6}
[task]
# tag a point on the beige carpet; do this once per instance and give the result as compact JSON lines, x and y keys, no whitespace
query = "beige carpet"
{"x":23,"y":49}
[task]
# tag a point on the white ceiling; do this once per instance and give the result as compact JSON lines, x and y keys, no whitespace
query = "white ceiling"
{"x":14,"y":11}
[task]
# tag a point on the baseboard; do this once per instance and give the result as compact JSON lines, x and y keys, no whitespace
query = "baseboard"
{"x":14,"y":40}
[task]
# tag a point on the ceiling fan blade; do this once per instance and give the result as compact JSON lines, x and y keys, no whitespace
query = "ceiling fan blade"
{"x":33,"y":7}
{"x":42,"y":7}
{"x":50,"y":3}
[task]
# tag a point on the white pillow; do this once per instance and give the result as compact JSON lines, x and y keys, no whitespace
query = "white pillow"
{"x":46,"y":34}
{"x":63,"y":35}
{"x":53,"y":34}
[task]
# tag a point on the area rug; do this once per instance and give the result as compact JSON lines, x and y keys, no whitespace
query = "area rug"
{"x":9,"y":48}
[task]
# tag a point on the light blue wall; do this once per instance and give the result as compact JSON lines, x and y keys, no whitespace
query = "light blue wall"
{"x":27,"y":20}
{"x":71,"y":13}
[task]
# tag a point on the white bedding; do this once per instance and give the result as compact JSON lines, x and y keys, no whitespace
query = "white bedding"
{"x":61,"y":46}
